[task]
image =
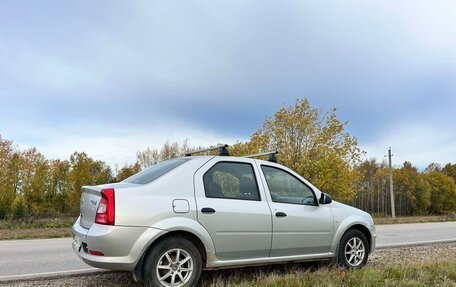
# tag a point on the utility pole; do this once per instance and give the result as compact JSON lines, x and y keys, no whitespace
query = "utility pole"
{"x":393,"y":213}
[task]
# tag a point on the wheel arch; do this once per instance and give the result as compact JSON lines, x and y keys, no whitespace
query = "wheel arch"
{"x":180,"y":227}
{"x":364,"y":230}
{"x":350,"y":223}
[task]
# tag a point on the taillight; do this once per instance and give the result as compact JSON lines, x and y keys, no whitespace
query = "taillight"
{"x":106,"y":208}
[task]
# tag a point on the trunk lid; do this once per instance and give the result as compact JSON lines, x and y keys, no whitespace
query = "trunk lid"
{"x":90,"y":198}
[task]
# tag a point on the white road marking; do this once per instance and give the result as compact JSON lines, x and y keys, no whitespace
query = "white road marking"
{"x":51,"y":274}
{"x":403,"y":244}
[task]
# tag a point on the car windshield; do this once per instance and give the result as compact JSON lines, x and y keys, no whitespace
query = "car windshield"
{"x":154,"y":172}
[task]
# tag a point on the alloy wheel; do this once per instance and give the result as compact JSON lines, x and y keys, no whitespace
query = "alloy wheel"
{"x":355,"y":251}
{"x":175,"y":268}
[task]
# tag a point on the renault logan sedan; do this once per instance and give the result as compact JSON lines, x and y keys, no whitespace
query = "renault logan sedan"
{"x":169,"y":222}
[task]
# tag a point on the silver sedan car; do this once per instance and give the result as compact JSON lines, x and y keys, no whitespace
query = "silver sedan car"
{"x":169,"y":222}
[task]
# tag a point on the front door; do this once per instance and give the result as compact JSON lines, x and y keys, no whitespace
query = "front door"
{"x":300,"y":225}
{"x":232,"y":207}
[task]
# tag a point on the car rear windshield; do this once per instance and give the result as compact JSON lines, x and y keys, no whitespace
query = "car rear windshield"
{"x":154,"y":172}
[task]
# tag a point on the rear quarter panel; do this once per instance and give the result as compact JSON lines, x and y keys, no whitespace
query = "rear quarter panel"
{"x":145,"y":205}
{"x":151,"y":205}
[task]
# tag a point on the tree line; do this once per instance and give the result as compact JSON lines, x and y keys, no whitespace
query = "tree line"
{"x":311,"y":141}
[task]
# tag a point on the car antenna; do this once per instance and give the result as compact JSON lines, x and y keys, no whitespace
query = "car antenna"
{"x":222,"y":150}
{"x":271,"y":154}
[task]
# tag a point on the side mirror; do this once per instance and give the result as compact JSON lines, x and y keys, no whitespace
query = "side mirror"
{"x":325,"y":199}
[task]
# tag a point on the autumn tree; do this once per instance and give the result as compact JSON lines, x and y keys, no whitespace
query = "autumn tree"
{"x":450,"y":170}
{"x":148,"y":158}
{"x":8,"y":175}
{"x":367,"y":195}
{"x":312,"y":142}
{"x":412,"y":192}
{"x":152,"y":156}
{"x":127,"y":171}
{"x":34,"y":180}
{"x":443,"y":191}
{"x":59,"y":186}
{"x":84,"y":171}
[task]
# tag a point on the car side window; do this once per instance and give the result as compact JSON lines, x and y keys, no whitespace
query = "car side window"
{"x":231,"y":180}
{"x":286,"y":188}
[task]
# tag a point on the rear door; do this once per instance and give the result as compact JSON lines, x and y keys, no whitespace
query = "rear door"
{"x":232,"y":207}
{"x":301,"y":225}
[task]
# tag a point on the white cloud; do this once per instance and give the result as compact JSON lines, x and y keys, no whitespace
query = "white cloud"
{"x":420,"y":144}
{"x":119,"y":146}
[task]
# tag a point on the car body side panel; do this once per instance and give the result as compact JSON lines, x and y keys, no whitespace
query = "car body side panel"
{"x":345,"y":217}
{"x":145,"y":205}
{"x":305,"y":230}
{"x":268,"y":260}
{"x":191,"y":226}
{"x":240,"y":229}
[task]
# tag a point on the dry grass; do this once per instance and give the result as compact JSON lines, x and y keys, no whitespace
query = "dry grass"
{"x":35,"y":233}
{"x":415,"y":219}
{"x":32,"y":228}
{"x":431,"y":265}
{"x":430,"y":274}
{"x":439,"y":273}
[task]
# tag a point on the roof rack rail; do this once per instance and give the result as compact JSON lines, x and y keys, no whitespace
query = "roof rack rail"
{"x":222,"y":150}
{"x":271,"y":154}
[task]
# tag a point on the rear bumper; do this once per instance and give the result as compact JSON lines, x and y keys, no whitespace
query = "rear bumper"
{"x":122,"y":246}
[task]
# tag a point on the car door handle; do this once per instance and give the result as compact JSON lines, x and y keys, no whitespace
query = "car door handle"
{"x":207,"y":210}
{"x":281,"y":214}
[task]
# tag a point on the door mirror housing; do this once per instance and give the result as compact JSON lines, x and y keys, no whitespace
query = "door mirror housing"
{"x":325,"y":198}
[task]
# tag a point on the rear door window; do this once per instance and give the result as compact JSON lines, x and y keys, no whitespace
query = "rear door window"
{"x":231,"y":180}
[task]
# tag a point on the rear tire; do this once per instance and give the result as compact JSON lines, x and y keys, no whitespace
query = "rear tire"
{"x":173,"y":261}
{"x":353,"y":249}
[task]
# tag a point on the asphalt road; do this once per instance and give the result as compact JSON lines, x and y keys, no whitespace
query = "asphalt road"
{"x":21,"y":259}
{"x":392,"y":235}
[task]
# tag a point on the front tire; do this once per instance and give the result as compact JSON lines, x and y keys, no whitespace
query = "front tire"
{"x":353,"y":249}
{"x":173,"y":262}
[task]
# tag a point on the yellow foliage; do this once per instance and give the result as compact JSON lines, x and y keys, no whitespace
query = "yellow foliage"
{"x":311,"y":142}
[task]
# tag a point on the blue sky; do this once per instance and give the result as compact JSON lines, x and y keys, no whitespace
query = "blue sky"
{"x":114,"y":77}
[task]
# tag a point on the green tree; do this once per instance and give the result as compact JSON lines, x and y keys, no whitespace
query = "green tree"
{"x":18,"y":207}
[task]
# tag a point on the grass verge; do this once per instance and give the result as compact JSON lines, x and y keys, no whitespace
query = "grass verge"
{"x":35,"y":233}
{"x":415,"y":219}
{"x":441,"y":273}
{"x":32,"y":228}
{"x":430,"y":265}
